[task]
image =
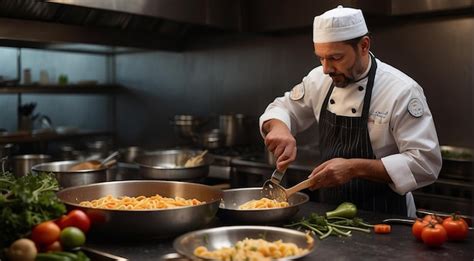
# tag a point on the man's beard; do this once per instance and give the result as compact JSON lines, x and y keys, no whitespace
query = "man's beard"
{"x":341,"y":80}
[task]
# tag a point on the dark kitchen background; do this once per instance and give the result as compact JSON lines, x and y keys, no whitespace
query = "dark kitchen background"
{"x":231,"y":57}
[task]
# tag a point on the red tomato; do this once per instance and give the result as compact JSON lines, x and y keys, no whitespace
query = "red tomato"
{"x":45,"y":233}
{"x":418,"y":227}
{"x":456,"y":228}
{"x":433,"y":219}
{"x":382,"y":228}
{"x":434,"y":235}
{"x":54,"y":247}
{"x":76,"y":218}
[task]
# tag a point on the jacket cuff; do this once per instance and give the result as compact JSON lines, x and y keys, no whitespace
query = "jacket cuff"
{"x":401,"y":175}
{"x":275,"y":113}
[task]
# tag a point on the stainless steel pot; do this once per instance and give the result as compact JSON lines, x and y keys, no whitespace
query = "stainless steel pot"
{"x":22,"y":163}
{"x":70,"y":178}
{"x":217,"y":238}
{"x":211,"y":139}
{"x":233,"y":198}
{"x":169,"y":165}
{"x":161,"y":223}
{"x":234,"y":128}
{"x":186,"y":126}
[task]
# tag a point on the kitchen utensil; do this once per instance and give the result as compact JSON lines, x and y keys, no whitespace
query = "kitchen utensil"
{"x":169,"y":165}
{"x":22,"y":163}
{"x":69,"y":178}
{"x":95,"y":164}
{"x":232,"y":198}
{"x":97,"y":255}
{"x":404,"y":221}
{"x":269,"y":186}
{"x":186,"y":126}
{"x":217,"y":238}
{"x":279,"y":193}
{"x":161,"y":223}
{"x":211,"y":139}
{"x":195,"y":160}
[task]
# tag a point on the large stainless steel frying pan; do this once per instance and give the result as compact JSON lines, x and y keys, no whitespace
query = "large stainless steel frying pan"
{"x":161,"y":223}
{"x":216,"y":238}
{"x":233,"y":198}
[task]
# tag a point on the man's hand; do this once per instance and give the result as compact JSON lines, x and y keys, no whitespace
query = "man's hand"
{"x":280,"y":142}
{"x":338,"y":171}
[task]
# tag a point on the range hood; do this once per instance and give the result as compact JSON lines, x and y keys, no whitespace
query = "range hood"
{"x":170,"y":24}
{"x":148,"y":24}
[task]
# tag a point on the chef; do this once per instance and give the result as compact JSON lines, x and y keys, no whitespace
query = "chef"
{"x":377,"y":137}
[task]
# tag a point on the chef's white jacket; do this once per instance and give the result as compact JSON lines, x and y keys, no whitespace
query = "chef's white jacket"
{"x":401,"y":127}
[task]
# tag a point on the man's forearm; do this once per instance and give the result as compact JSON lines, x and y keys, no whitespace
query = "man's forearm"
{"x":270,"y":124}
{"x":371,"y":169}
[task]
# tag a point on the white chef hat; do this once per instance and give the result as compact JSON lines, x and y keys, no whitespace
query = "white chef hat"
{"x":339,"y":24}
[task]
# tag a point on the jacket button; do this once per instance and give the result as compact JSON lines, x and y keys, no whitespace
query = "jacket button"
{"x":353,"y":110}
{"x":332,"y":101}
{"x":361,"y":88}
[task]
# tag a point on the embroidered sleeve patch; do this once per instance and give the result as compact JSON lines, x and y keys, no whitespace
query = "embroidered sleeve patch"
{"x":415,"y":108}
{"x":297,"y":93}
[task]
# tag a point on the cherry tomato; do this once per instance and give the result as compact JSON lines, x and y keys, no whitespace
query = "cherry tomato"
{"x":54,"y":247}
{"x":456,"y":228}
{"x":382,"y":228}
{"x":434,"y":235}
{"x":433,"y":219}
{"x":45,"y":233}
{"x":75,"y":218}
{"x":418,"y":227}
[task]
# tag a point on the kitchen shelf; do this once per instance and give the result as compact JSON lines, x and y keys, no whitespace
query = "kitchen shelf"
{"x":24,"y":137}
{"x":61,"y":89}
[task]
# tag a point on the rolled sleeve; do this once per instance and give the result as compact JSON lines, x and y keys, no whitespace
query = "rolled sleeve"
{"x":400,"y":173}
{"x":274,"y":113}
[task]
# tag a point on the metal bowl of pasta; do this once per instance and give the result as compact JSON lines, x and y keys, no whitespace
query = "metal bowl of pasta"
{"x":171,"y":165}
{"x":144,"y":208}
{"x":241,"y":206}
{"x":244,"y":243}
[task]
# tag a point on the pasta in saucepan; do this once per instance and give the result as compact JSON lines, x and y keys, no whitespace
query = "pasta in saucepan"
{"x":263,"y":203}
{"x":253,"y":250}
{"x":140,"y":202}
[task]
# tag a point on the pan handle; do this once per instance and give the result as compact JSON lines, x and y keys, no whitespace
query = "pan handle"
{"x":174,"y":257}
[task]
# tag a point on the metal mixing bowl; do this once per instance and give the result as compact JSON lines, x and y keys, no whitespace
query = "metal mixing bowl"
{"x":160,"y":223}
{"x":229,"y":208}
{"x":70,"y":178}
{"x":169,"y":165}
{"x":217,"y":238}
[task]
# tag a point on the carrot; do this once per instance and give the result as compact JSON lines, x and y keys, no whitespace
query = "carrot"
{"x":382,"y":228}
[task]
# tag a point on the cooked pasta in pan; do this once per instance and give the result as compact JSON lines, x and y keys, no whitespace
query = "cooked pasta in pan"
{"x":140,"y":202}
{"x":263,"y":203}
{"x":253,"y":250}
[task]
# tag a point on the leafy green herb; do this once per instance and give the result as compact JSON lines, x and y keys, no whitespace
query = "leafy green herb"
{"x":338,"y":226}
{"x":25,"y":202}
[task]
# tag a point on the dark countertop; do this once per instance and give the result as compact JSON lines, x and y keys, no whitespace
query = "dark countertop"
{"x":400,"y":244}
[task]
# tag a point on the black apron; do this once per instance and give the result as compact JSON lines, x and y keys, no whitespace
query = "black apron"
{"x":348,"y":137}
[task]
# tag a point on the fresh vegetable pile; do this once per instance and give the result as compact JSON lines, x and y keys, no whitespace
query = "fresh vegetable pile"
{"x":339,"y":222}
{"x":26,"y":202}
{"x":434,"y":231}
{"x":29,"y":208}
